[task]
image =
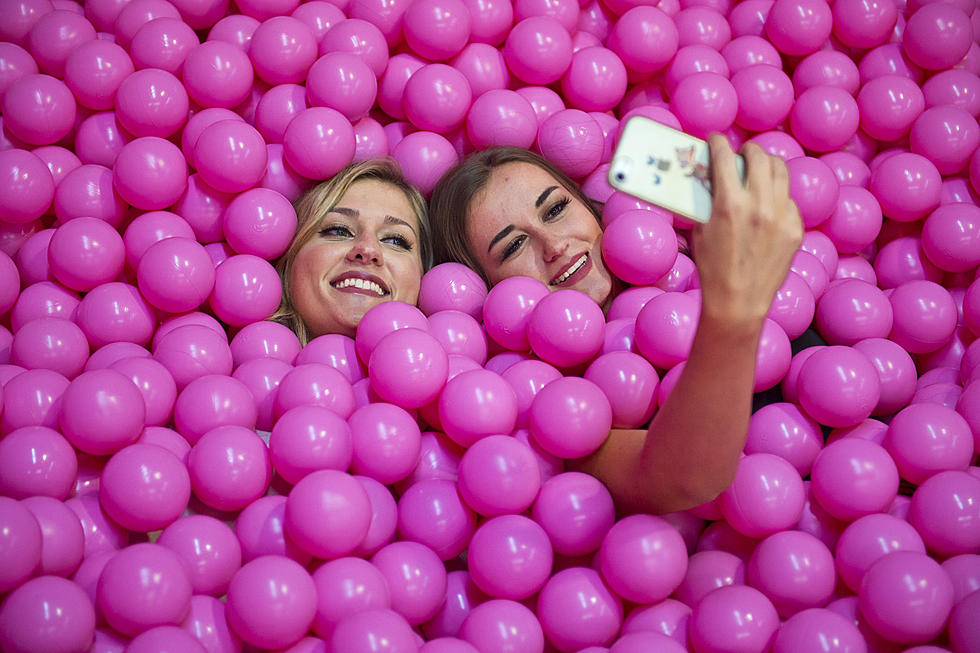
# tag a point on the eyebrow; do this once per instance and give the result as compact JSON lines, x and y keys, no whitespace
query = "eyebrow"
{"x":509,"y":228}
{"x":388,"y":219}
{"x":543,"y":196}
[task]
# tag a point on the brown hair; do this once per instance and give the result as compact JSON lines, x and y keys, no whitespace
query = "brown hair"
{"x":320,"y":200}
{"x":450,"y":204}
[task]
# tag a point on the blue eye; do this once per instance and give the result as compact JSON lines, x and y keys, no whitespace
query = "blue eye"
{"x":336,"y":231}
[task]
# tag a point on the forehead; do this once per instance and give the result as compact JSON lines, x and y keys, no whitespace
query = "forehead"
{"x":511,"y":191}
{"x":375,"y":198}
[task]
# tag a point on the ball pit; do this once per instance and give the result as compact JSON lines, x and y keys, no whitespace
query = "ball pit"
{"x":177,"y":473}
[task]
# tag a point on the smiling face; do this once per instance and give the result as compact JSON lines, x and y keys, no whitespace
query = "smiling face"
{"x":525,"y":223}
{"x":365,"y":251}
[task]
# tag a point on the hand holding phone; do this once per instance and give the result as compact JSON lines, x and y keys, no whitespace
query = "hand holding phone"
{"x":666,"y":167}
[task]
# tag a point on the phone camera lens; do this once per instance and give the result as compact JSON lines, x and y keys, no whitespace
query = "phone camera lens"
{"x":620,"y":177}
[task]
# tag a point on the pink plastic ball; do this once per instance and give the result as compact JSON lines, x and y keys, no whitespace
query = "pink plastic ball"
{"x":143,"y":586}
{"x":432,"y":513}
{"x":749,"y":50}
{"x":798,"y":27}
{"x":229,"y":467}
{"x":476,"y":404}
{"x":782,"y":429}
{"x":271,"y":602}
{"x":863,"y":25}
{"x":538,"y":50}
{"x":499,"y":475}
{"x":510,"y":557}
{"x":436,"y":29}
{"x":408,"y":367}
{"x":344,"y":82}
{"x":947,"y":136}
{"x":37,"y":461}
{"x":318,"y":142}
{"x":278,"y":106}
{"x":794,"y":570}
{"x":230,"y":156}
{"x":944,"y":513}
{"x":344,"y":587}
{"x":437,"y":98}
{"x":425,"y":157}
{"x":162,"y":43}
{"x":144,"y":488}
{"x":570,"y":417}
{"x":705,"y":102}
{"x":211,"y":401}
{"x":416,"y":579}
{"x":526,"y":378}
{"x":896,"y":373}
{"x":639,"y":247}
{"x":63,"y":542}
{"x":85,"y":252}
{"x":852,"y":310}
{"x":837,"y":402}
{"x":566,"y":328}
{"x":359,"y":37}
{"x":856,"y":221}
{"x":507,"y":311}
{"x":906,"y":597}
{"x":175,"y":274}
{"x":907,"y":186}
{"x":246,"y":289}
{"x":501,"y":117}
{"x":386,"y":442}
{"x":810,"y":629}
{"x":766,"y":496}
{"x":595,"y":79}
{"x":643,"y":559}
{"x":793,"y":307}
{"x":824,"y":118}
{"x":925,"y":316}
{"x":645,"y":40}
{"x":150,"y":173}
{"x":955,"y":87}
{"x":665,"y":328}
{"x":630,"y":383}
{"x":209,"y":548}
{"x":150,"y":228}
{"x":33,"y":398}
{"x":500,"y":624}
{"x":577,"y":610}
{"x":765,"y":96}
{"x":38,"y":109}
{"x":327,"y":513}
{"x":734,"y":613}
{"x":951,"y":237}
{"x":261,"y":531}
{"x":102,"y":411}
{"x":867,"y":540}
{"x":152,"y":102}
{"x":282,"y":49}
{"x":889,"y":105}
{"x":360,"y":632}
{"x":47,"y":613}
{"x":50,"y":343}
{"x":575,"y":511}
{"x":217,"y":74}
{"x":308,"y":438}
{"x":853,"y":477}
{"x":937,"y":36}
{"x":27,"y":186}
{"x":382,"y":320}
{"x":265,"y":340}
{"x":925,"y":439}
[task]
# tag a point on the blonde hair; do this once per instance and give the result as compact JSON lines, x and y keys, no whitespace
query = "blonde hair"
{"x":449,"y":206}
{"x":320,"y":200}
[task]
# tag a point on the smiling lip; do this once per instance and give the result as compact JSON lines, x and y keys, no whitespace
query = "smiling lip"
{"x":578,"y":266}
{"x":360,"y":283}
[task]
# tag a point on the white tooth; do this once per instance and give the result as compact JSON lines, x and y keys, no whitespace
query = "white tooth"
{"x":572,"y":270}
{"x":376,"y":288}
{"x":360,"y":284}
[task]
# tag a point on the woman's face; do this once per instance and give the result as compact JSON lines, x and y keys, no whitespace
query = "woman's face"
{"x":366,"y":251}
{"x":524,"y":223}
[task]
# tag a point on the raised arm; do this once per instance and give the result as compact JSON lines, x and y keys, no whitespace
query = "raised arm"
{"x":690,"y":452}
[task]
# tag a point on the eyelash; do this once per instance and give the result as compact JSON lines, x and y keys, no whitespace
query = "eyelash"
{"x":338,"y":230}
{"x":554,"y":211}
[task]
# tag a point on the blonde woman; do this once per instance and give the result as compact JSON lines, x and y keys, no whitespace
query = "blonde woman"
{"x":362,"y":239}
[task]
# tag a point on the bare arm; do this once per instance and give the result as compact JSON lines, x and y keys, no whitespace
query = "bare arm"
{"x":690,"y":453}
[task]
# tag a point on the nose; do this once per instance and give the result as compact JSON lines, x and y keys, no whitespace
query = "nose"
{"x":553,"y":246}
{"x":366,"y":250}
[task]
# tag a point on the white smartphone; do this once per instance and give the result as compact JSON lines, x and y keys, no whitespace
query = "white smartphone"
{"x":666,"y":167}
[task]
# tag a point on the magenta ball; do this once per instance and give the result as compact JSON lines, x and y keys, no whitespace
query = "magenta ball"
{"x":595,"y":79}
{"x":944,"y":512}
{"x":907,"y":185}
{"x":246,"y":289}
{"x":327,"y":513}
{"x":765,"y":96}
{"x":572,"y":140}
{"x":85,"y":252}
{"x":150,"y":173}
{"x":853,"y":477}
{"x":386,"y":442}
{"x":37,"y":461}
{"x":637,"y":236}
{"x":951,"y":237}
{"x":863,"y":25}
{"x":794,"y":570}
{"x":209,"y":548}
{"x":707,"y":571}
{"x":39,"y":109}
{"x":20,"y":542}
{"x":906,"y":597}
{"x":459,"y":334}
{"x":344,"y":587}
{"x":867,"y":539}
{"x":570,"y":417}
{"x":737,"y":612}
{"x":955,"y":87}
{"x":784,"y":430}
{"x":217,"y":74}
{"x":408,"y":367}
{"x":810,"y":629}
{"x":308,"y":438}
{"x":925,"y":316}
{"x":211,"y":401}
{"x":344,"y":82}
{"x":28,"y":186}
{"x":152,"y":102}
{"x":47,"y":613}
{"x":282,"y":49}
{"x":630,"y":383}
{"x":925,"y":439}
{"x":507,"y":311}
{"x":50,"y":343}
{"x":501,"y":117}
{"x":575,"y":511}
{"x":896,"y":373}
{"x":452,"y":286}
{"x":646,"y":40}
{"x":360,"y":632}
{"x":793,"y":306}
{"x":230,"y":156}
{"x":852,"y":310}
{"x":437,"y":29}
{"x":33,"y":398}
{"x":192,"y":350}
{"x":510,"y":557}
{"x":143,"y":586}
{"x":502,"y":624}
{"x":577,"y":609}
{"x":229,"y":467}
{"x":705,"y":102}
{"x":538,"y":50}
{"x":947,"y":136}
{"x":499,"y":475}
{"x":937,"y":36}
{"x":144,"y":488}
{"x":175,"y":274}
{"x":416,"y":579}
{"x":665,"y":328}
{"x":102,"y":412}
{"x":766,"y":496}
{"x":834,"y":402}
{"x":437,"y":98}
{"x":425,"y":157}
{"x":150,"y":228}
{"x":271,"y":602}
{"x":643,"y":559}
{"x":824,"y":118}
{"x":566,"y":328}
{"x":432,"y":513}
{"x":164,"y":44}
{"x":889,"y":105}
{"x":476,"y":404}
{"x":798,"y":27}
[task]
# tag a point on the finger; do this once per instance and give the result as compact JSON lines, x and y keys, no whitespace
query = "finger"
{"x":758,"y":169}
{"x":724,"y":175}
{"x":780,"y":177}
